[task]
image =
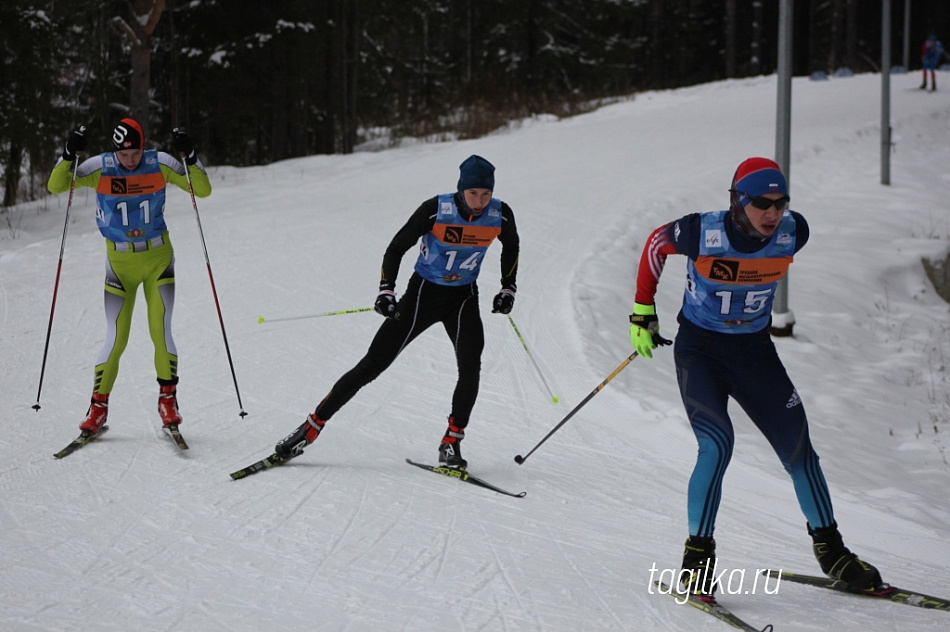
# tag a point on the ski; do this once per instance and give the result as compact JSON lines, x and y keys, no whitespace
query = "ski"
{"x":174,"y":434}
{"x":710,"y":606}
{"x":464,"y":476}
{"x":80,"y":441}
{"x":271,"y":461}
{"x":886,"y":592}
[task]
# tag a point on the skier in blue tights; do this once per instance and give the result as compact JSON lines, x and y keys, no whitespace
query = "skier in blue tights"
{"x":723,"y":349}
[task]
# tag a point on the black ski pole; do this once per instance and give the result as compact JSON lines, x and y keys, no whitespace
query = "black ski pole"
{"x":521,"y":459}
{"x":214,"y":292}
{"x":59,"y":269}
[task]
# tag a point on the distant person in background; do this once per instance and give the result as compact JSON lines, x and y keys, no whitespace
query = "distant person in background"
{"x":455,"y":230}
{"x":930,"y":53}
{"x":723,"y":349}
{"x":130,"y":204}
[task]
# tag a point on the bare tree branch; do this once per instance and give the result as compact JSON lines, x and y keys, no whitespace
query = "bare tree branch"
{"x":124,"y":27}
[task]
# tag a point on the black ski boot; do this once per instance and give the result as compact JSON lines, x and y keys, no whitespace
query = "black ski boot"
{"x":699,"y":567}
{"x":293,"y":444}
{"x":450,"y":451}
{"x":838,"y":562}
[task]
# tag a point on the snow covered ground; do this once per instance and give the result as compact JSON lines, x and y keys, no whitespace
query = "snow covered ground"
{"x":129,"y":534}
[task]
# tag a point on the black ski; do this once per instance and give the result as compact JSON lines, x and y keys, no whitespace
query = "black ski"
{"x":464,"y":476}
{"x":886,"y":591}
{"x":271,"y":461}
{"x":84,"y":438}
{"x":710,"y":606}
{"x":175,"y":435}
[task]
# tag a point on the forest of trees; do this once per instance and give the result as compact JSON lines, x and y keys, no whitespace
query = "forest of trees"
{"x":254,"y":82}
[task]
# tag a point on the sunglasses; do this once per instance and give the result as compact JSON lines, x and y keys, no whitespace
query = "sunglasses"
{"x":763,"y":203}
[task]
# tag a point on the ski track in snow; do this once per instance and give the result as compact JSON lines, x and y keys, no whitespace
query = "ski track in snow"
{"x":123,"y":534}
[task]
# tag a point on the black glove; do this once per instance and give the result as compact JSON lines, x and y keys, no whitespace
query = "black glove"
{"x":75,"y":143}
{"x":386,"y":304}
{"x":503,"y":302}
{"x":184,"y":146}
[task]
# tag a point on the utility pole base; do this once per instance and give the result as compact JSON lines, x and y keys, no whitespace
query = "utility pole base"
{"x":782,"y":324}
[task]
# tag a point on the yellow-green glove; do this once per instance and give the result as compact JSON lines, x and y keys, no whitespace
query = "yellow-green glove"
{"x":645,"y":330}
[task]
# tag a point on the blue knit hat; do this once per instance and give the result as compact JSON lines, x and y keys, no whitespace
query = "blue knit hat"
{"x":476,"y":173}
{"x":758,"y":176}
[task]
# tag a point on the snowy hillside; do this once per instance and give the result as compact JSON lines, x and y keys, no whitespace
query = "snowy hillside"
{"x":128,"y":534}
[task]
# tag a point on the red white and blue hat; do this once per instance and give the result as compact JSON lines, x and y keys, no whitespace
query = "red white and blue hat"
{"x":758,"y":176}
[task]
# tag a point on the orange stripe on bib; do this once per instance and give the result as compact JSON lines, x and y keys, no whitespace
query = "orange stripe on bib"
{"x":477,"y":236}
{"x":743,"y":271}
{"x":143,"y":184}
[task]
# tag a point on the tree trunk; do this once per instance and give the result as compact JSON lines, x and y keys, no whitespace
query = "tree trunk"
{"x":350,"y":74}
{"x":657,"y":70}
{"x":755,"y":67}
{"x":140,"y":83}
{"x":328,"y":140}
{"x":11,"y":175}
{"x":851,"y":34}
{"x":731,"y":39}
{"x":146,"y":14}
{"x":834,"y":48}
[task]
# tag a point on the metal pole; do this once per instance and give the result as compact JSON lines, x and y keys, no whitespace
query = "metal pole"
{"x":59,"y":269}
{"x":633,"y":356}
{"x":782,"y":317}
{"x":214,"y":292}
{"x":886,"y":92}
{"x":261,"y":320}
{"x":554,"y":398}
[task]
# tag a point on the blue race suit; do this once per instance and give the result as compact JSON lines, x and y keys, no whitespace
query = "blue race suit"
{"x":723,"y":349}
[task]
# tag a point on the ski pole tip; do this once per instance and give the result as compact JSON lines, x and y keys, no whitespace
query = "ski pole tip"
{"x":36,"y":407}
{"x":260,"y":320}
{"x":242,"y":414}
{"x":555,"y":399}
{"x":519,"y":459}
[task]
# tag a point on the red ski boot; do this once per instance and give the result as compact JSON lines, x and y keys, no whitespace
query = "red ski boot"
{"x":96,"y":415}
{"x":168,"y":404}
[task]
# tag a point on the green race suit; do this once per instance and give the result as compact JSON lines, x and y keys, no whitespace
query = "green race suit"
{"x":130,"y":205}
